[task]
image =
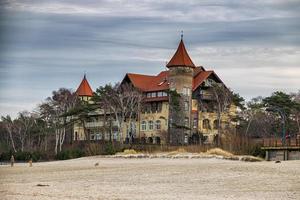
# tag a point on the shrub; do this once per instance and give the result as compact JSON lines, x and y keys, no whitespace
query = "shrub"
{"x":63,"y":155}
{"x":22,"y":156}
{"x":5,"y":156}
{"x":93,"y":149}
{"x":69,"y":154}
{"x":38,"y":156}
{"x":257,"y":151}
{"x":77,"y":153}
{"x":109,"y":149}
{"x":129,"y":151}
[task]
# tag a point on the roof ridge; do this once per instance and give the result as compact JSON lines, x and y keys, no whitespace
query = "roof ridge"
{"x":140,"y":74}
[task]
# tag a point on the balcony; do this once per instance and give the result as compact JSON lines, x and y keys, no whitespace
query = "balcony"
{"x":99,"y":124}
{"x":94,"y":124}
{"x":207,"y":96}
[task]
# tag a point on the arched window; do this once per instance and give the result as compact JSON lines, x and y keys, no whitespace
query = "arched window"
{"x":150,"y":125}
{"x":76,"y":135}
{"x":205,"y":124}
{"x":157,"y":140}
{"x":150,"y":140}
{"x":144,"y":125}
{"x":215,"y":124}
{"x":157,"y":125}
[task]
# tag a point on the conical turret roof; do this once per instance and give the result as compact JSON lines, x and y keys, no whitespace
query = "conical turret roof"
{"x":181,"y":57}
{"x":84,"y":88}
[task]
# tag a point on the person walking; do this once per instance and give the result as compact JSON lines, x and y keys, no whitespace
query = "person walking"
{"x":12,"y":160}
{"x":30,"y":162}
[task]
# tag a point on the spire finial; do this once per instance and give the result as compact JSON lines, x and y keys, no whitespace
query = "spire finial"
{"x":84,"y":75}
{"x":181,"y":34}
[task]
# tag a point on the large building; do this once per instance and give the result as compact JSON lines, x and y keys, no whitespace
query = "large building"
{"x":179,"y":106}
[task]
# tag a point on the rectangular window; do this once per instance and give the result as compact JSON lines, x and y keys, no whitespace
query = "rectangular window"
{"x":186,"y":106}
{"x":153,"y":107}
{"x":98,"y":136}
{"x":92,"y":137}
{"x":186,"y":91}
{"x":159,"y":107}
{"x":115,"y":135}
{"x":186,"y":122}
{"x":76,"y":135}
{"x":153,"y":94}
{"x":148,"y":95}
{"x":195,"y":123}
{"x":144,"y":125}
{"x":159,"y":94}
{"x":148,"y":107}
{"x":164,"y":94}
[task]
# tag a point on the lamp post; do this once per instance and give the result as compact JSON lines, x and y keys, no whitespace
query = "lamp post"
{"x":283,"y":118}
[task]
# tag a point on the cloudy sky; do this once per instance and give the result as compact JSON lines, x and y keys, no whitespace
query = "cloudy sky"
{"x":254,"y":46}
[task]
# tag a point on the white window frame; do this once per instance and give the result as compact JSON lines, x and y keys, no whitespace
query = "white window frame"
{"x":187,"y":121}
{"x":186,"y":106}
{"x":157,"y":124}
{"x":195,"y":123}
{"x":150,"y":125}
{"x":143,"y":125}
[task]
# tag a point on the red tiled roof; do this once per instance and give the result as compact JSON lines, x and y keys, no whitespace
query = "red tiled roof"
{"x":200,"y":77}
{"x":84,"y":88}
{"x":150,"y":83}
{"x":197,"y":70}
{"x":140,"y":81}
{"x":181,"y":57}
{"x":160,"y":82}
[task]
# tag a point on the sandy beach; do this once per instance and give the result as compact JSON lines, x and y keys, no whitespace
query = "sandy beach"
{"x":157,"y":178}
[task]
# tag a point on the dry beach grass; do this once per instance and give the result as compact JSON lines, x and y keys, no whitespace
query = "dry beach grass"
{"x":158,"y":178}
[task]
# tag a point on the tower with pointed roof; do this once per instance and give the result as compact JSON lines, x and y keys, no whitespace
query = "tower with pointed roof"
{"x":84,"y":90}
{"x":181,"y":69}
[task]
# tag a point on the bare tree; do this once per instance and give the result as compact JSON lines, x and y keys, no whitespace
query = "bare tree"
{"x":55,"y":109}
{"x":223,"y":97}
{"x":9,"y":126}
{"x":23,"y":124}
{"x":296,"y":108}
{"x":18,"y":129}
{"x":122,"y":100}
{"x":254,"y":106}
{"x":46,"y":114}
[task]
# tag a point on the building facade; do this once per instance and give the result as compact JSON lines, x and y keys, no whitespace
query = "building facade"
{"x":179,"y":107}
